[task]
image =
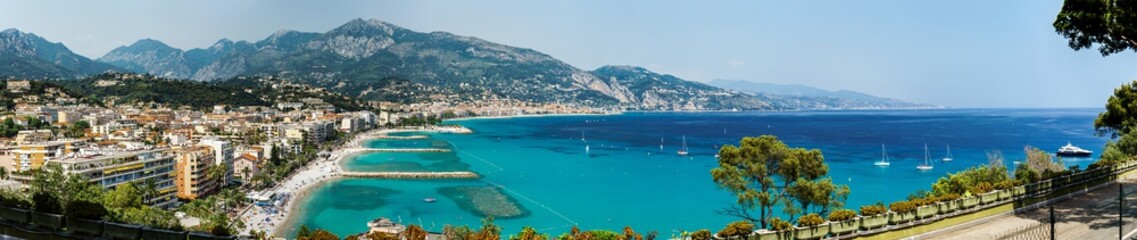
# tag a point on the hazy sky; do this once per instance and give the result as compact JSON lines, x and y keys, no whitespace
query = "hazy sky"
{"x":955,"y":53}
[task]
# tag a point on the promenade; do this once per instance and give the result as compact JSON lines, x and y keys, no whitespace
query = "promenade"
{"x":1087,"y":216}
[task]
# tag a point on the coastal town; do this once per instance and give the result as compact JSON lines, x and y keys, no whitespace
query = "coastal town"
{"x":567,"y":120}
{"x":252,"y":161}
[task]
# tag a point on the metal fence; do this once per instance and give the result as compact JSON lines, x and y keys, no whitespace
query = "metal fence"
{"x":1037,"y":231}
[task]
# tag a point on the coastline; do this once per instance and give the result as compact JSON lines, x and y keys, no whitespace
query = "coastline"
{"x":294,"y":208}
{"x":532,"y":116}
{"x":306,"y":181}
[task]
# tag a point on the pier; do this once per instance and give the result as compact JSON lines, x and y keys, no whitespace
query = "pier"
{"x":402,"y":150}
{"x":402,"y":137}
{"x":411,"y":175}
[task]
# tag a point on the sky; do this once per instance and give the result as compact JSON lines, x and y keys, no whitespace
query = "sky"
{"x":968,"y":53}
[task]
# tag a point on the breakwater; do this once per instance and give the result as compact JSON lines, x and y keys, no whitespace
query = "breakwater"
{"x":399,"y":150}
{"x":412,"y":175}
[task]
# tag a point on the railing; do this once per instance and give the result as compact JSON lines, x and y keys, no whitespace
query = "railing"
{"x":1037,"y":231}
{"x":1025,"y":197}
{"x":59,"y":225}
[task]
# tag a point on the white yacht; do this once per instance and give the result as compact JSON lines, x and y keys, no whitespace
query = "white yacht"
{"x":1073,"y":151}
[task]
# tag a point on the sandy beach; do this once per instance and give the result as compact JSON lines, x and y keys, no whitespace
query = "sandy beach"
{"x":313,"y":177}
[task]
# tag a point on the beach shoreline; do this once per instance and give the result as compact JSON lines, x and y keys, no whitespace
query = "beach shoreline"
{"x":322,"y":172}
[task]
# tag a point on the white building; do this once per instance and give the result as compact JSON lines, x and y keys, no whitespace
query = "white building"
{"x":223,"y":154}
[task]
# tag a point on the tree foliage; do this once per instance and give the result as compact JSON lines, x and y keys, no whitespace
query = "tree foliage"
{"x":963,"y":181}
{"x":736,"y":230}
{"x":415,"y":232}
{"x":1108,"y":23}
{"x":528,"y":233}
{"x":1120,"y":112}
{"x":763,"y":172}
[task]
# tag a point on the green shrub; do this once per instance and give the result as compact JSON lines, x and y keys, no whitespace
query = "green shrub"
{"x":871,"y":210}
{"x":605,"y":235}
{"x":46,"y":203}
{"x":702,"y":234}
{"x":739,"y":228}
{"x":1005,"y":184}
{"x":810,"y":220}
{"x":983,"y":187}
{"x":85,"y":210}
{"x":842,"y":215}
{"x":947,"y":197}
{"x":777,"y":224}
{"x":14,"y":200}
{"x":902,"y":206}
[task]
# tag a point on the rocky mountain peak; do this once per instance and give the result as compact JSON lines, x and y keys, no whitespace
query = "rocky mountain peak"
{"x":220,"y":44}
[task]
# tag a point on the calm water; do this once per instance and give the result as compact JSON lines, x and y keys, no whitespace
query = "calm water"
{"x":625,"y":179}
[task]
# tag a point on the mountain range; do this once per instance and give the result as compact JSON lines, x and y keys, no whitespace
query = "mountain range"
{"x":821,"y":98}
{"x":375,"y":60}
{"x":25,"y":55}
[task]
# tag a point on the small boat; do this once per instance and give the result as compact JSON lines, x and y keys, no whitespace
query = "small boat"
{"x":883,"y":158}
{"x":1073,"y":151}
{"x":948,"y":158}
{"x":683,"y":151}
{"x":927,"y":163}
{"x":428,"y":200}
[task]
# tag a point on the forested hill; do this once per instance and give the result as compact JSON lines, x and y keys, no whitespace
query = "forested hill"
{"x":122,"y":88}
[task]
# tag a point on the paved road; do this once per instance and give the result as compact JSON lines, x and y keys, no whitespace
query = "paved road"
{"x":1089,"y":216}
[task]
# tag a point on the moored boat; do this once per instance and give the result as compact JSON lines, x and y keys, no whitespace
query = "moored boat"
{"x":927,"y":164}
{"x":883,"y":158}
{"x":1073,"y":151}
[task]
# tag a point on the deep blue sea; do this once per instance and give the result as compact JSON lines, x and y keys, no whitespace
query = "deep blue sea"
{"x":625,"y":179}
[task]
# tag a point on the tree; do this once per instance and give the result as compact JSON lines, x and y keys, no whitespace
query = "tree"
{"x":629,"y":234}
{"x":702,"y":234}
{"x":764,"y":172}
{"x":415,"y":232}
{"x":489,"y":230}
{"x":148,"y":189}
{"x":736,"y":229}
{"x":527,"y":233}
{"x":124,"y":195}
{"x":217,"y":173}
{"x":1111,"y":24}
{"x":3,"y":173}
{"x":33,"y":123}
{"x":304,"y":232}
{"x":747,"y":171}
{"x":1120,"y":112}
{"x":78,"y":129}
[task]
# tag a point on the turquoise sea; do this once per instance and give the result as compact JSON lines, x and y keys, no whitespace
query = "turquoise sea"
{"x":625,"y":179}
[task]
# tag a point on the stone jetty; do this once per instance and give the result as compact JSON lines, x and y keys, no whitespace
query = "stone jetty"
{"x":410,"y":175}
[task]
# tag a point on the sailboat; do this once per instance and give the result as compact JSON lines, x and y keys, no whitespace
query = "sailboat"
{"x":927,"y":164}
{"x":883,"y":158}
{"x":582,"y":136}
{"x":661,"y":144}
{"x":683,"y":151}
{"x":948,"y":157}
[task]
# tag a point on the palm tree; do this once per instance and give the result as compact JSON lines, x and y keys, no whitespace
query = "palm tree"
{"x":149,"y":190}
{"x":217,"y":173}
{"x":245,"y":175}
